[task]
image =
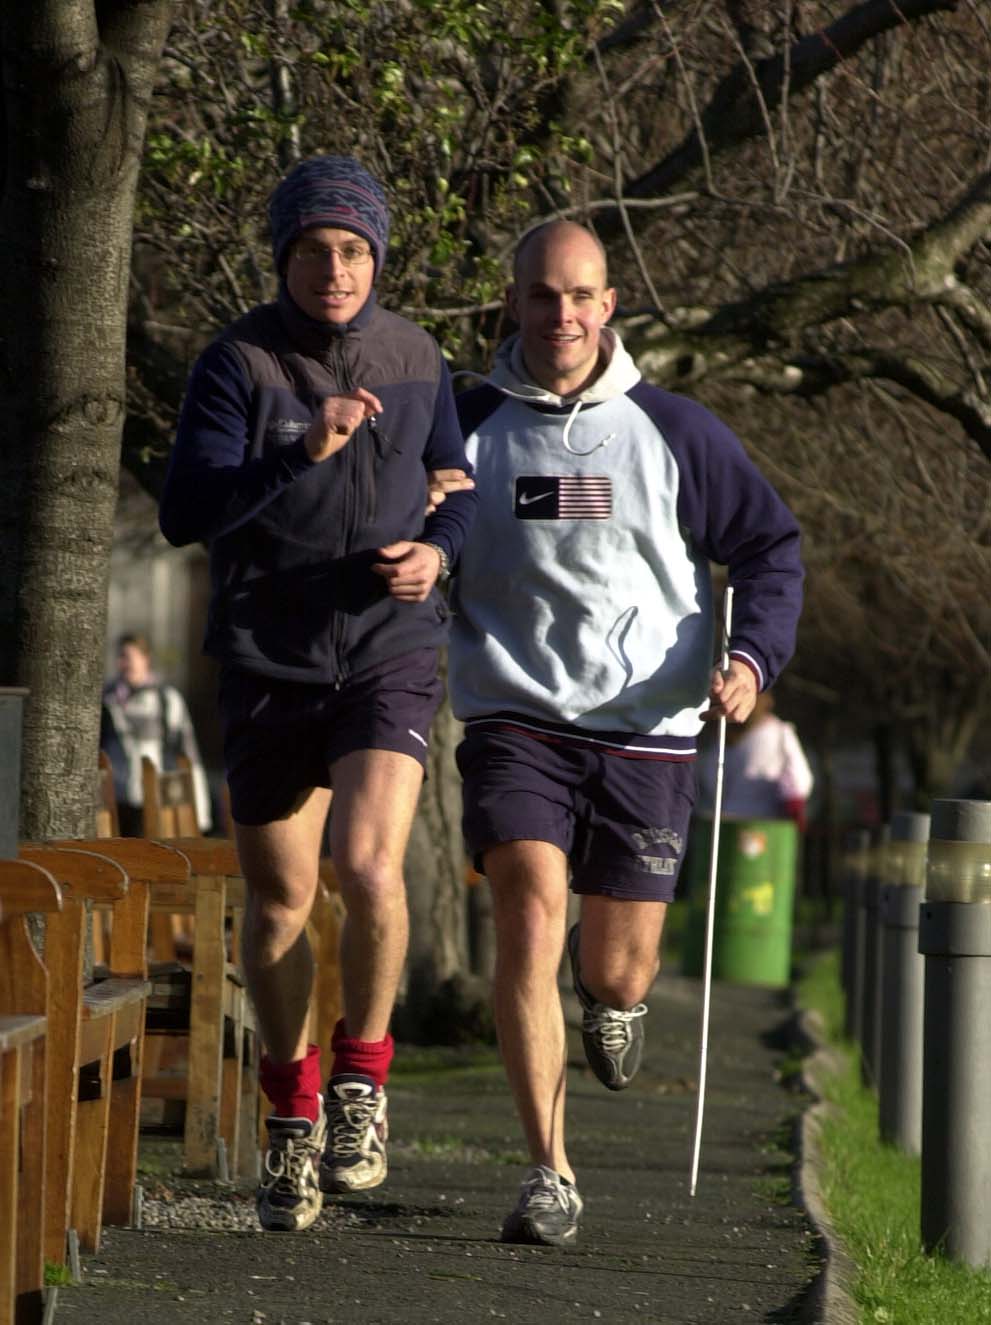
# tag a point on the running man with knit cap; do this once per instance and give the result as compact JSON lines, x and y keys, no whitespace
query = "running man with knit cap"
{"x":316,"y":432}
{"x":581,"y":663}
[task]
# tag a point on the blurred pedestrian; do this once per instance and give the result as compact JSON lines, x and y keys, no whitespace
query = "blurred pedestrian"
{"x":145,"y":716}
{"x":766,"y":774}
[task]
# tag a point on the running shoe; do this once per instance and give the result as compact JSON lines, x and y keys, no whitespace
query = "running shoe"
{"x":289,"y":1197}
{"x":612,"y":1037}
{"x":548,"y":1212}
{"x":357,"y":1129}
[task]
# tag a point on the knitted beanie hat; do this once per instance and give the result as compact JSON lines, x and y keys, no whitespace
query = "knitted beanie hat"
{"x":335,"y":191}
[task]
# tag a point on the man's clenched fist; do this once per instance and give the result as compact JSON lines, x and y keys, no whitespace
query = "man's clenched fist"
{"x":336,"y":420}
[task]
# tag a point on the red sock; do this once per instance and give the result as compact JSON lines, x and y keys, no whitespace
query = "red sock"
{"x":367,"y":1057}
{"x":293,"y":1088}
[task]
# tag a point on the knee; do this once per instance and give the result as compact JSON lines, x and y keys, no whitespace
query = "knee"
{"x":529,"y":929}
{"x":278,"y":907}
{"x":623,"y":982}
{"x":370,"y":886}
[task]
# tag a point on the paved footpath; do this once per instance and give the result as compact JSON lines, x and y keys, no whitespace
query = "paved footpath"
{"x":424,"y":1248}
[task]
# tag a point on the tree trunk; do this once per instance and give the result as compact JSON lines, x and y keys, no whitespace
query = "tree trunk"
{"x":77,"y":80}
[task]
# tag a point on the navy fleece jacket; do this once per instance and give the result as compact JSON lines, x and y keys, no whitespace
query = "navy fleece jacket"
{"x":292,"y":542}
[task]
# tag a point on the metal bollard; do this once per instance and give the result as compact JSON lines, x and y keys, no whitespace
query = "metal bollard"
{"x":870,"y":1026}
{"x":903,"y":984}
{"x":11,"y":716}
{"x":955,"y":938}
{"x":852,"y":966}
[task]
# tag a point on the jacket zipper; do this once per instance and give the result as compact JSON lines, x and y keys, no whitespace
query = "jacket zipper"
{"x":342,"y":375}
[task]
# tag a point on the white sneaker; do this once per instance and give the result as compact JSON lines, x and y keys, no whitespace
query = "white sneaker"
{"x":357,"y":1130}
{"x":289,"y":1197}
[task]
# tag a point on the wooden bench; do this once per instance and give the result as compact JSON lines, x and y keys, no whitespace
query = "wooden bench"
{"x":169,"y":802}
{"x":24,"y":888}
{"x":107,"y":822}
{"x":96,"y":1039}
{"x":168,"y":805}
{"x":149,"y":865}
{"x":219,"y":1081}
{"x":203,"y":1010}
{"x":168,"y":811}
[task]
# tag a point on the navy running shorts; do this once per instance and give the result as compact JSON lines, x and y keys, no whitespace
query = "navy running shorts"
{"x":282,"y":737}
{"x":622,"y":822}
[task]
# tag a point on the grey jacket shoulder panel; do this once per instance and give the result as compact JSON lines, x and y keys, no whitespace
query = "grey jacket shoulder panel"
{"x":388,"y":350}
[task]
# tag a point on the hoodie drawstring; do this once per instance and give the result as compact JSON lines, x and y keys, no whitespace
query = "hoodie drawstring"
{"x":567,"y":429}
{"x":529,"y":400}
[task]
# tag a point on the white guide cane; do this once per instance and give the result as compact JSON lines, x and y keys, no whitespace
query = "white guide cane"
{"x":710,"y":918}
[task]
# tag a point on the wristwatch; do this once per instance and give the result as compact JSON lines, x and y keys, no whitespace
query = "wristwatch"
{"x":445,"y":562}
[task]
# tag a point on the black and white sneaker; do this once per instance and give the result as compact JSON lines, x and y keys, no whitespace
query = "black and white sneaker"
{"x":357,"y":1130}
{"x":612,"y":1037}
{"x":548,"y":1212}
{"x":288,"y":1198}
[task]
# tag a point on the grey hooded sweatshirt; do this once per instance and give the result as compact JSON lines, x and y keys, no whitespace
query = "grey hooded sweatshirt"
{"x":583,"y":602}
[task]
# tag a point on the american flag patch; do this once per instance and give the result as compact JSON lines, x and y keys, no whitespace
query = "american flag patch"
{"x":563,"y":497}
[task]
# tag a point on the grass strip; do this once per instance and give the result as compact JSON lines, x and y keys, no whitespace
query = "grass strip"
{"x":872,"y":1190}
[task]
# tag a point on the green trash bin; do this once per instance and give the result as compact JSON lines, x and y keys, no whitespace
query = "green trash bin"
{"x":755,"y":894}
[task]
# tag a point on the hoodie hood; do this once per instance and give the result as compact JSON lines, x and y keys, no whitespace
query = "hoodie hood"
{"x":509,"y":374}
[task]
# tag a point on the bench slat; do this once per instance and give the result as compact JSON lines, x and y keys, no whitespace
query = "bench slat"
{"x":144,"y":861}
{"x":15,"y":1031}
{"x":89,"y":874}
{"x":208,"y":855}
{"x":26,"y":887}
{"x":111,"y":995}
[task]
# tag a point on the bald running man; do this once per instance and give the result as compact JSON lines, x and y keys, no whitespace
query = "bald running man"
{"x":581,"y":663}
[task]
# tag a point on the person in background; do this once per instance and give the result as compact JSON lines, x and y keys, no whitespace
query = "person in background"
{"x":142,"y":715}
{"x":308,"y":454}
{"x":765,"y":772}
{"x":581,"y":664}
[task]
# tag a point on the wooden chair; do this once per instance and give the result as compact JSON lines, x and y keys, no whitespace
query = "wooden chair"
{"x":24,"y":1098}
{"x":96,"y":1040}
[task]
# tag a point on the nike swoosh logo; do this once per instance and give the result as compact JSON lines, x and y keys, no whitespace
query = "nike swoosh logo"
{"x":538,"y":496}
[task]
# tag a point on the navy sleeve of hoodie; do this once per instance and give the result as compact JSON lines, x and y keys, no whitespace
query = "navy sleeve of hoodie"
{"x":209,"y":489}
{"x":448,"y":525}
{"x":735,"y":518}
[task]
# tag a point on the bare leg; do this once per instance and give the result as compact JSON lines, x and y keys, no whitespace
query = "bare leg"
{"x":375,"y":794}
{"x":530,"y":896}
{"x":618,"y":954}
{"x":280,"y":861}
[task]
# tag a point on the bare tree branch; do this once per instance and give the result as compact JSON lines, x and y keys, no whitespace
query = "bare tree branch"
{"x":738,"y":108}
{"x":969,"y":308}
{"x":617,"y":150}
{"x":813,"y":375}
{"x":775,"y":316}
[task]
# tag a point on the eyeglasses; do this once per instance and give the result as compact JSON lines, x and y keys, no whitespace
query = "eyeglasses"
{"x":311,"y":253}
